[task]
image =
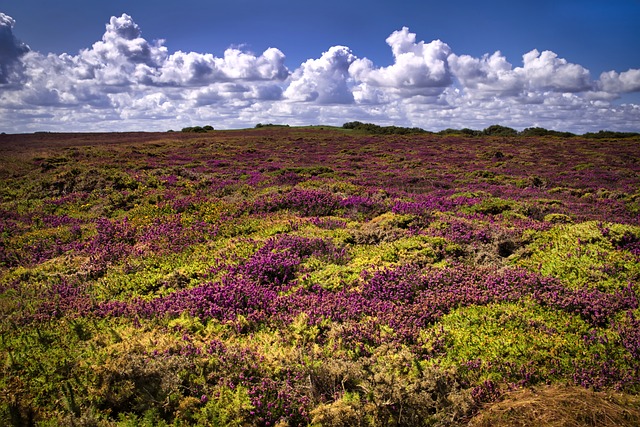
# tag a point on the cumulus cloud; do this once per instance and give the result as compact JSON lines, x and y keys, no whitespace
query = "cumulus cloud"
{"x":126,"y":82}
{"x":194,"y":68}
{"x":625,"y":82}
{"x":123,"y":61}
{"x":122,"y":42}
{"x":11,"y":49}
{"x":545,"y":71}
{"x":323,"y":80}
{"x":541,"y":72}
{"x":492,"y":75}
{"x":418,"y":68}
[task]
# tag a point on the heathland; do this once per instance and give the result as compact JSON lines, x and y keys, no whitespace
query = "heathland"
{"x":319,"y":276}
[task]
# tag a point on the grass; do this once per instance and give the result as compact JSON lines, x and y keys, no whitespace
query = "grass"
{"x":560,"y":406}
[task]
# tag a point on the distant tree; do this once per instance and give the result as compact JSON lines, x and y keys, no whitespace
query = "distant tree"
{"x":610,"y":134}
{"x":449,"y":131}
{"x":535,"y":131}
{"x":198,"y":129}
{"x":538,"y":131}
{"x":470,"y":132}
{"x":270,"y":125}
{"x":463,"y":131}
{"x":382,"y":130}
{"x":352,"y":125}
{"x":497,"y":130}
{"x":563,"y":134}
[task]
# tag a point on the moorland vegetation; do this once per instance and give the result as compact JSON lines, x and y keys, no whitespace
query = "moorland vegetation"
{"x":320,"y":276}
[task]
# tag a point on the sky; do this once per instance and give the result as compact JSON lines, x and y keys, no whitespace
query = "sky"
{"x":118,"y":65}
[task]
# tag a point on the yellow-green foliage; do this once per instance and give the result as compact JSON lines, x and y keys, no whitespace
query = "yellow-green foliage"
{"x":160,"y":275}
{"x":389,"y":379}
{"x":580,"y":255}
{"x":418,"y":249}
{"x":513,"y":338}
{"x":514,"y":332}
{"x":229,"y":408}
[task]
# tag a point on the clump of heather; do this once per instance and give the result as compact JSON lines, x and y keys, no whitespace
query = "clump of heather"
{"x":113,"y":241}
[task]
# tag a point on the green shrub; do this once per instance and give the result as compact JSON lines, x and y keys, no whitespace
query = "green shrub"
{"x":382,"y":130}
{"x":492,"y":206}
{"x":198,"y":129}
{"x":497,"y":130}
{"x":557,"y":218}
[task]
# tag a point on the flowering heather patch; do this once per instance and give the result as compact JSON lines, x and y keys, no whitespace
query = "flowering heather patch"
{"x":328,"y":223}
{"x":300,"y":276}
{"x":305,"y":202}
{"x":463,"y":232}
{"x":172,"y":235}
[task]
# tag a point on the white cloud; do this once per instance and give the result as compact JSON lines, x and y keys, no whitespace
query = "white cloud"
{"x":241,"y":65}
{"x":199,"y":69}
{"x":323,"y":80}
{"x":491,"y":75}
{"x":186,"y":69}
{"x":123,"y":60}
{"x":625,"y":82}
{"x":125,"y":82}
{"x":545,"y":71}
{"x":541,"y":72}
{"x":11,"y":49}
{"x":123,"y":42}
{"x":123,"y":77}
{"x":418,"y":68}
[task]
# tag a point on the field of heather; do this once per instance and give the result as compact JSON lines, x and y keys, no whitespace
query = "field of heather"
{"x":317,"y":276}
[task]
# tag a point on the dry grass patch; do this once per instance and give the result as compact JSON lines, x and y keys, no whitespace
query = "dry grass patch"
{"x":561,"y":406}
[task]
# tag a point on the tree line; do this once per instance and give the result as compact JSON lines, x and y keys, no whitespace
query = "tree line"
{"x":493,"y":130}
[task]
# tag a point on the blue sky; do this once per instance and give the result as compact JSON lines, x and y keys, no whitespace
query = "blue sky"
{"x":564,"y":64}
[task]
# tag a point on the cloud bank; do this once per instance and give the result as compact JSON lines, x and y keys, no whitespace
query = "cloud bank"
{"x":125,"y":82}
